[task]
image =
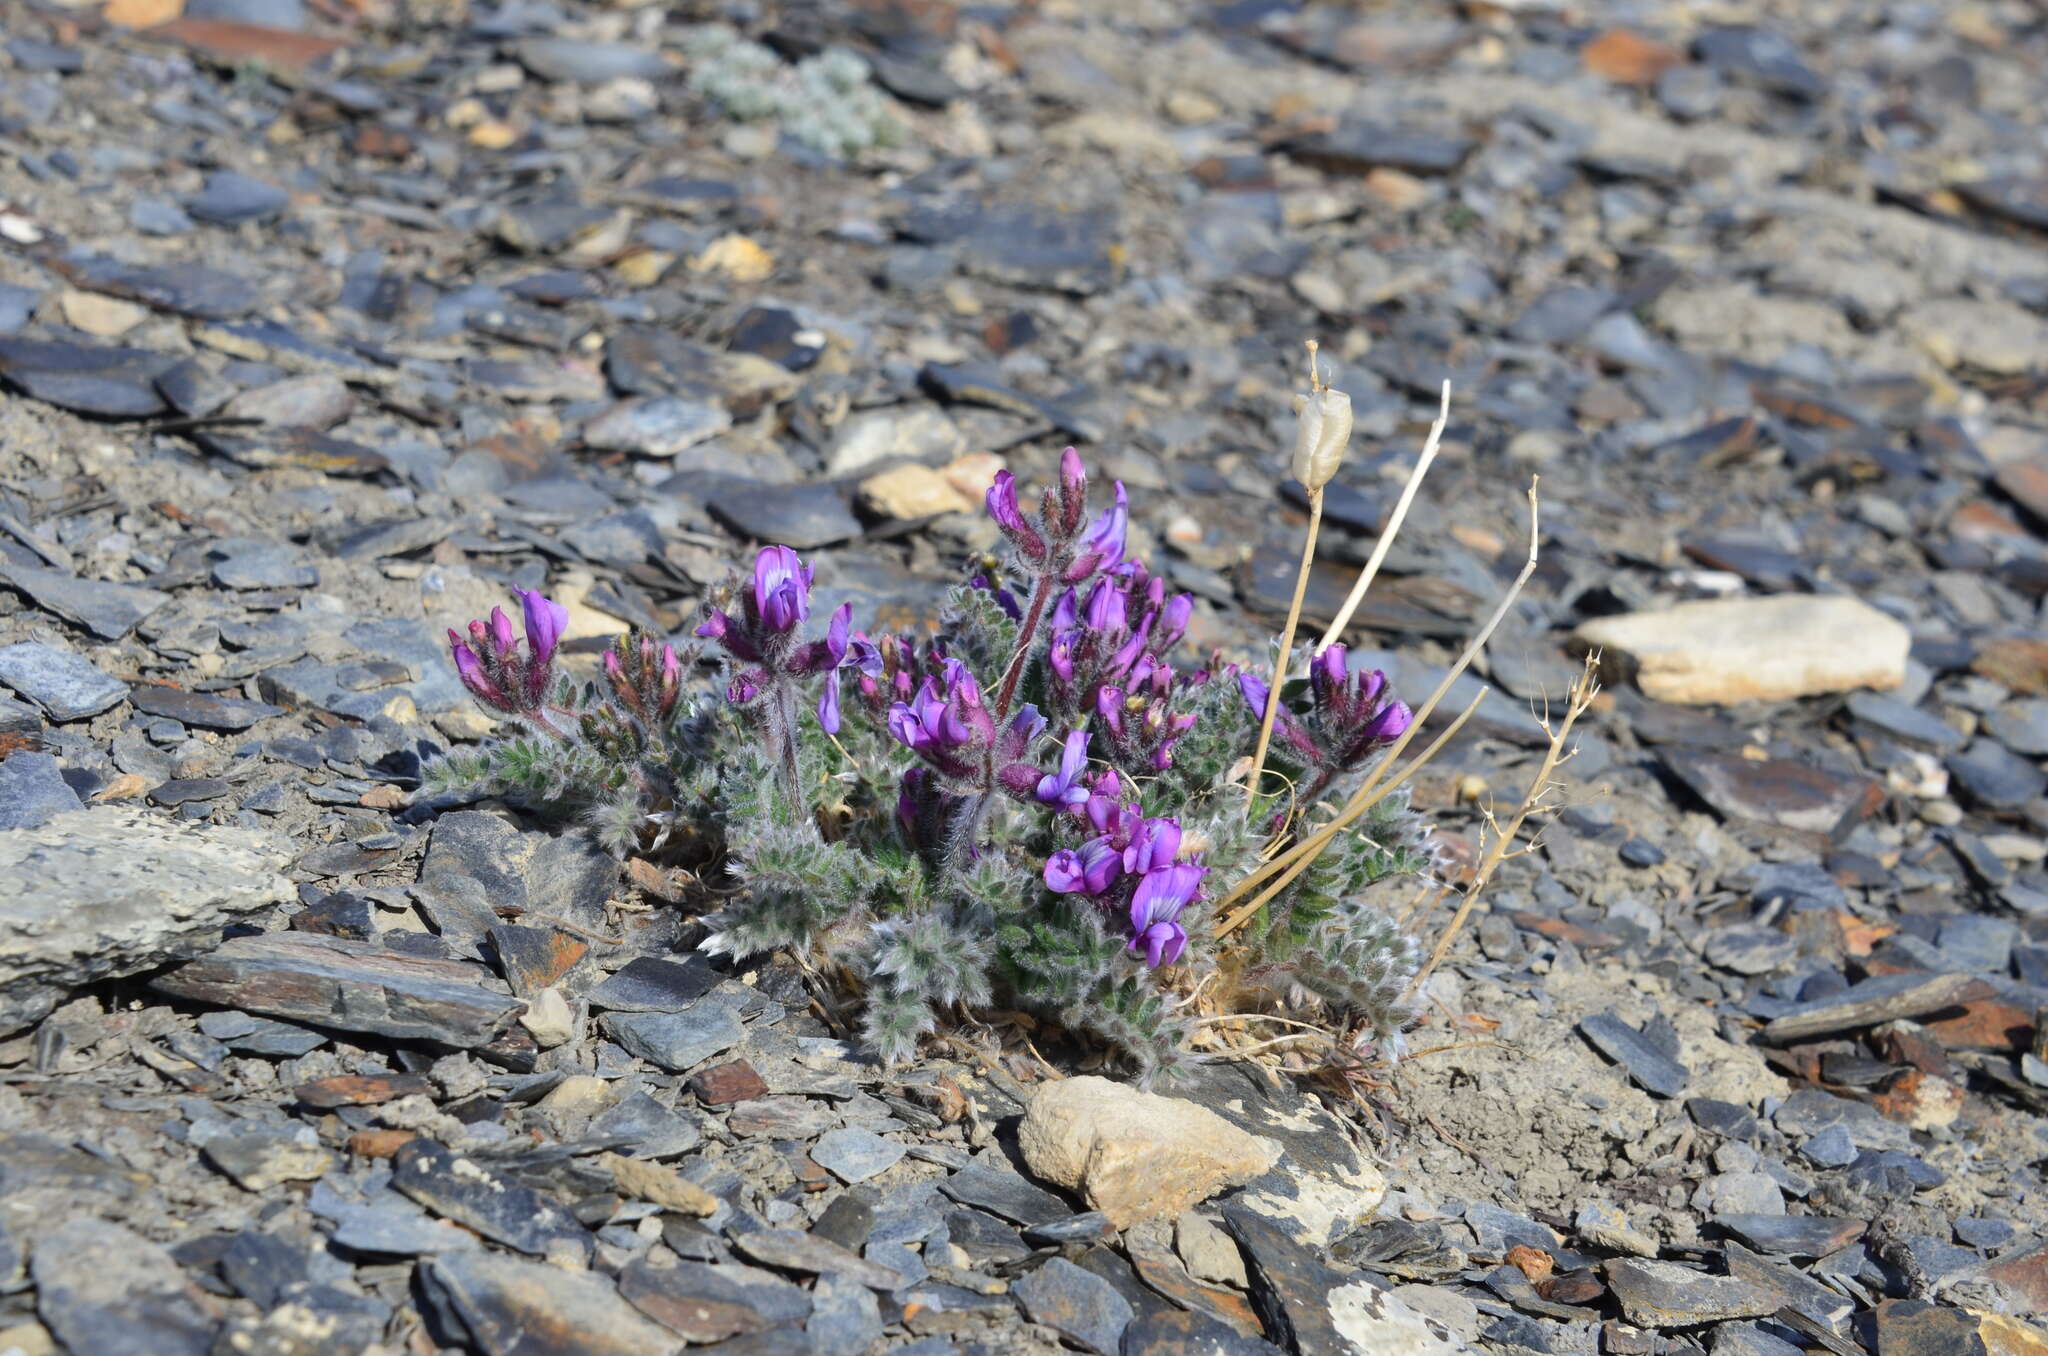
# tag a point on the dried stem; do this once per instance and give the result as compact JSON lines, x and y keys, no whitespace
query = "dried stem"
{"x":1583,"y":691}
{"x":1393,"y":528}
{"x":1364,"y":798}
{"x":1304,"y":853}
{"x":1280,"y":663}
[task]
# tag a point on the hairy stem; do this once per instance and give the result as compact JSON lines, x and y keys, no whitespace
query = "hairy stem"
{"x":782,"y":727}
{"x":1308,"y":555}
{"x":1027,"y":631}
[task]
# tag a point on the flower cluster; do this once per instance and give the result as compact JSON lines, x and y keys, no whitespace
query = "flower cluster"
{"x":1131,"y":867}
{"x":496,"y":673}
{"x":1351,"y":717}
{"x":1028,"y":804}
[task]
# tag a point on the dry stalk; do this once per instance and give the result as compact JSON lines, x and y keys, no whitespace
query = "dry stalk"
{"x":1386,"y":541}
{"x":1584,"y":689}
{"x":1369,"y":794}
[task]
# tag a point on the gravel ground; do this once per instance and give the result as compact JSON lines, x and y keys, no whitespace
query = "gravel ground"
{"x":324,"y":323}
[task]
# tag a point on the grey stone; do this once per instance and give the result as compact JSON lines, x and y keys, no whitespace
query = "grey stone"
{"x":1651,"y":1068}
{"x":249,"y":1035}
{"x":349,"y":985}
{"x":207,"y":710}
{"x":795,"y":1250}
{"x":650,"y":984}
{"x":104,"y":1289}
{"x":511,"y":1307}
{"x":1993,"y":776}
{"x":33,"y":791}
{"x":845,"y":1317}
{"x":1901,"y":721}
{"x":854,"y":1155}
{"x":1005,"y":1193}
{"x":590,"y":62}
{"x":261,"y":1159}
{"x":1791,"y":1235}
{"x":650,"y":1129}
{"x":461,"y":1189}
{"x":2021,"y":726}
{"x":67,"y":686}
{"x":230,"y":199}
{"x":799,"y":516}
{"x":656,"y":426}
{"x":677,"y":1041}
{"x":158,"y":216}
{"x":1743,"y":1193}
{"x":1978,"y":943}
{"x":117,"y":890}
{"x":110,"y":611}
{"x":1666,"y":1295}
{"x":1078,"y":1305}
{"x":1831,"y":1148}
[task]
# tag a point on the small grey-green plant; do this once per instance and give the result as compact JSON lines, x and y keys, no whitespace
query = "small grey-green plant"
{"x":826,"y":102}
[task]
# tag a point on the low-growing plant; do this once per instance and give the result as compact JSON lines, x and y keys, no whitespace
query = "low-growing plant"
{"x":828,"y":102}
{"x":1039,"y":804}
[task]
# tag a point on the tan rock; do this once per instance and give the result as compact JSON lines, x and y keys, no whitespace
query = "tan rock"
{"x":1751,"y":649}
{"x":904,"y":492}
{"x":548,"y":1019}
{"x":1135,"y":1155}
{"x":665,"y":1187}
{"x":106,"y":317}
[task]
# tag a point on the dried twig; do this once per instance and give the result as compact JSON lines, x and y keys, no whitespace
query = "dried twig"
{"x":1369,"y":794}
{"x":1393,"y":528}
{"x":1584,"y":689}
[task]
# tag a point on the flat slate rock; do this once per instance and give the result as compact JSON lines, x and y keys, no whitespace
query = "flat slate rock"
{"x":677,"y":1041}
{"x":103,"y":381}
{"x":116,"y":890}
{"x":854,"y":1155}
{"x":500,"y":1209}
{"x":1792,"y":1235}
{"x":350,"y":986}
{"x":104,"y":1289}
{"x":795,"y":1250}
{"x":108,"y":610}
{"x":284,"y":445}
{"x":1078,"y":1305}
{"x":1776,"y":791}
{"x":1651,"y":1068}
{"x":803,"y":517}
{"x":186,"y":289}
{"x":67,"y":686}
{"x":1290,"y":1285}
{"x":1666,"y":1295}
{"x":1006,"y":1193}
{"x":207,"y":710}
{"x":33,"y":792}
{"x":1883,"y":998}
{"x":651,"y":984}
{"x":505,"y":1306}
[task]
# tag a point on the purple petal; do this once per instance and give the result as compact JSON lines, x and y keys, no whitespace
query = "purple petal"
{"x":828,"y":703}
{"x":545,"y":622}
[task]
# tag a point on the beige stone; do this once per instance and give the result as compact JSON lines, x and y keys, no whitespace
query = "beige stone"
{"x":106,"y":317}
{"x":548,"y":1019}
{"x":1752,"y":649}
{"x":904,"y":492}
{"x":665,"y":1187}
{"x":1135,"y":1155}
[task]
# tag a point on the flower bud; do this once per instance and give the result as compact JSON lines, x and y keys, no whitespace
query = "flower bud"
{"x":1322,"y":434}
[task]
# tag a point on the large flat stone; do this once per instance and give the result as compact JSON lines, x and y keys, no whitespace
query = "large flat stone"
{"x":1752,"y":649}
{"x":116,"y":890}
{"x":350,"y":986}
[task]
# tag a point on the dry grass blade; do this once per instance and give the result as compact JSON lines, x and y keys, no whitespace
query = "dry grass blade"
{"x":1368,"y":794}
{"x":1308,"y":556}
{"x":1584,"y":689}
{"x":1386,"y":541}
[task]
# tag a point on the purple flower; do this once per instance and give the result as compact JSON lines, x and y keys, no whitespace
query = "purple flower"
{"x":503,"y":638}
{"x":1104,"y":538}
{"x":1087,"y":870}
{"x":1073,"y":491}
{"x":545,"y":622}
{"x":471,"y":670}
{"x":491,"y":667}
{"x":1002,"y":506}
{"x":1063,"y":788}
{"x":842,"y":650}
{"x":1156,"y":906}
{"x":782,"y":588}
{"x":1153,"y":846}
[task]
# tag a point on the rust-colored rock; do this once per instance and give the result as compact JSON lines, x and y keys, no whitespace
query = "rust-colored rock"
{"x":724,"y":1084}
{"x":1629,"y":58}
{"x":1986,"y":1024}
{"x":232,"y":44}
{"x":2021,"y":665}
{"x":361,"y":1089}
{"x":1920,"y":1101}
{"x":378,"y":1143}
